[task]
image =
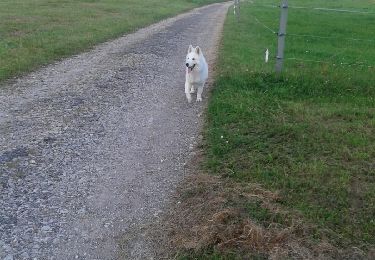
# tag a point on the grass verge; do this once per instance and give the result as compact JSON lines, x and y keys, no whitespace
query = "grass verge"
{"x":307,"y":136}
{"x":34,"y":33}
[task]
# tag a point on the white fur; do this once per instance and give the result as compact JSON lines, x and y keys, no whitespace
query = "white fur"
{"x":196,"y":77}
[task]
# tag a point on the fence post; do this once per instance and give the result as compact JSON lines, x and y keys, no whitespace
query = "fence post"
{"x":281,"y":36}
{"x":236,"y":8}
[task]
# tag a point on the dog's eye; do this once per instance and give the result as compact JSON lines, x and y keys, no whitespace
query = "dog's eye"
{"x":193,"y":58}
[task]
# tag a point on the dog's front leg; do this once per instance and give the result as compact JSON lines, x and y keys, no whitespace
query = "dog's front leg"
{"x":199,"y":93}
{"x":187,"y":91}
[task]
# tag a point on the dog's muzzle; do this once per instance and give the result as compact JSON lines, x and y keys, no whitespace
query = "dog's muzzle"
{"x":190,"y":69}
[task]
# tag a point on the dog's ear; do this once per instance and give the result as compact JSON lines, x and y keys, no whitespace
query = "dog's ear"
{"x":198,"y":50}
{"x":190,"y":48}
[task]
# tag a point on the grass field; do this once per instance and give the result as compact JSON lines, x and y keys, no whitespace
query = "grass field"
{"x":34,"y":33}
{"x":308,"y":135}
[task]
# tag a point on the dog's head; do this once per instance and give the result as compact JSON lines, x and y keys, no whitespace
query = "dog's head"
{"x":192,"y":57}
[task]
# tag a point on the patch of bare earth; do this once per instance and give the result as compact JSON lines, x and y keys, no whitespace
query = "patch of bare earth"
{"x":211,"y":214}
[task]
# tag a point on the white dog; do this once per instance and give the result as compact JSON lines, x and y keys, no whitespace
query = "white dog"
{"x":196,"y":72}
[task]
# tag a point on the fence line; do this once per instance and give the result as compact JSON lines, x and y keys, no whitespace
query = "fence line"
{"x":265,"y":26}
{"x":311,"y":35}
{"x":342,"y":10}
{"x":328,"y":60}
{"x":319,"y":9}
{"x":329,"y":37}
{"x":298,"y":59}
{"x":359,"y":64}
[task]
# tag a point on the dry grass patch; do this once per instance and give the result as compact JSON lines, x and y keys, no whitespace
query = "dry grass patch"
{"x":216,"y":218}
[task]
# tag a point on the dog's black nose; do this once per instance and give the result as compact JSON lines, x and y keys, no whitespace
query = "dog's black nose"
{"x":187,"y":64}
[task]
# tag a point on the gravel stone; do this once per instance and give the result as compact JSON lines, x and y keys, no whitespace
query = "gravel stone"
{"x":9,"y":257}
{"x":93,"y":146}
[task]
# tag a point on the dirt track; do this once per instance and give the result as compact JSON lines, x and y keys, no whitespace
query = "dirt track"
{"x":92,"y":147}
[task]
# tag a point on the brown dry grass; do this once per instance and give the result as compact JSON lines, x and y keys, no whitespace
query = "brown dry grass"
{"x":209,"y":214}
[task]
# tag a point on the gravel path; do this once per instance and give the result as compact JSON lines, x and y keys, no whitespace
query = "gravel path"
{"x":92,"y":147}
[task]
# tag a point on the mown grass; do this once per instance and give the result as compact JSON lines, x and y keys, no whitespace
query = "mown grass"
{"x":309,"y":133}
{"x":34,"y":33}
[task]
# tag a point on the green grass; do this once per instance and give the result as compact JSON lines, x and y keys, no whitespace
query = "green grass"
{"x":36,"y":32}
{"x":309,"y":133}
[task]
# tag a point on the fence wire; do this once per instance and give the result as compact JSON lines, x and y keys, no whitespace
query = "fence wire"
{"x":317,"y":9}
{"x":328,"y":61}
